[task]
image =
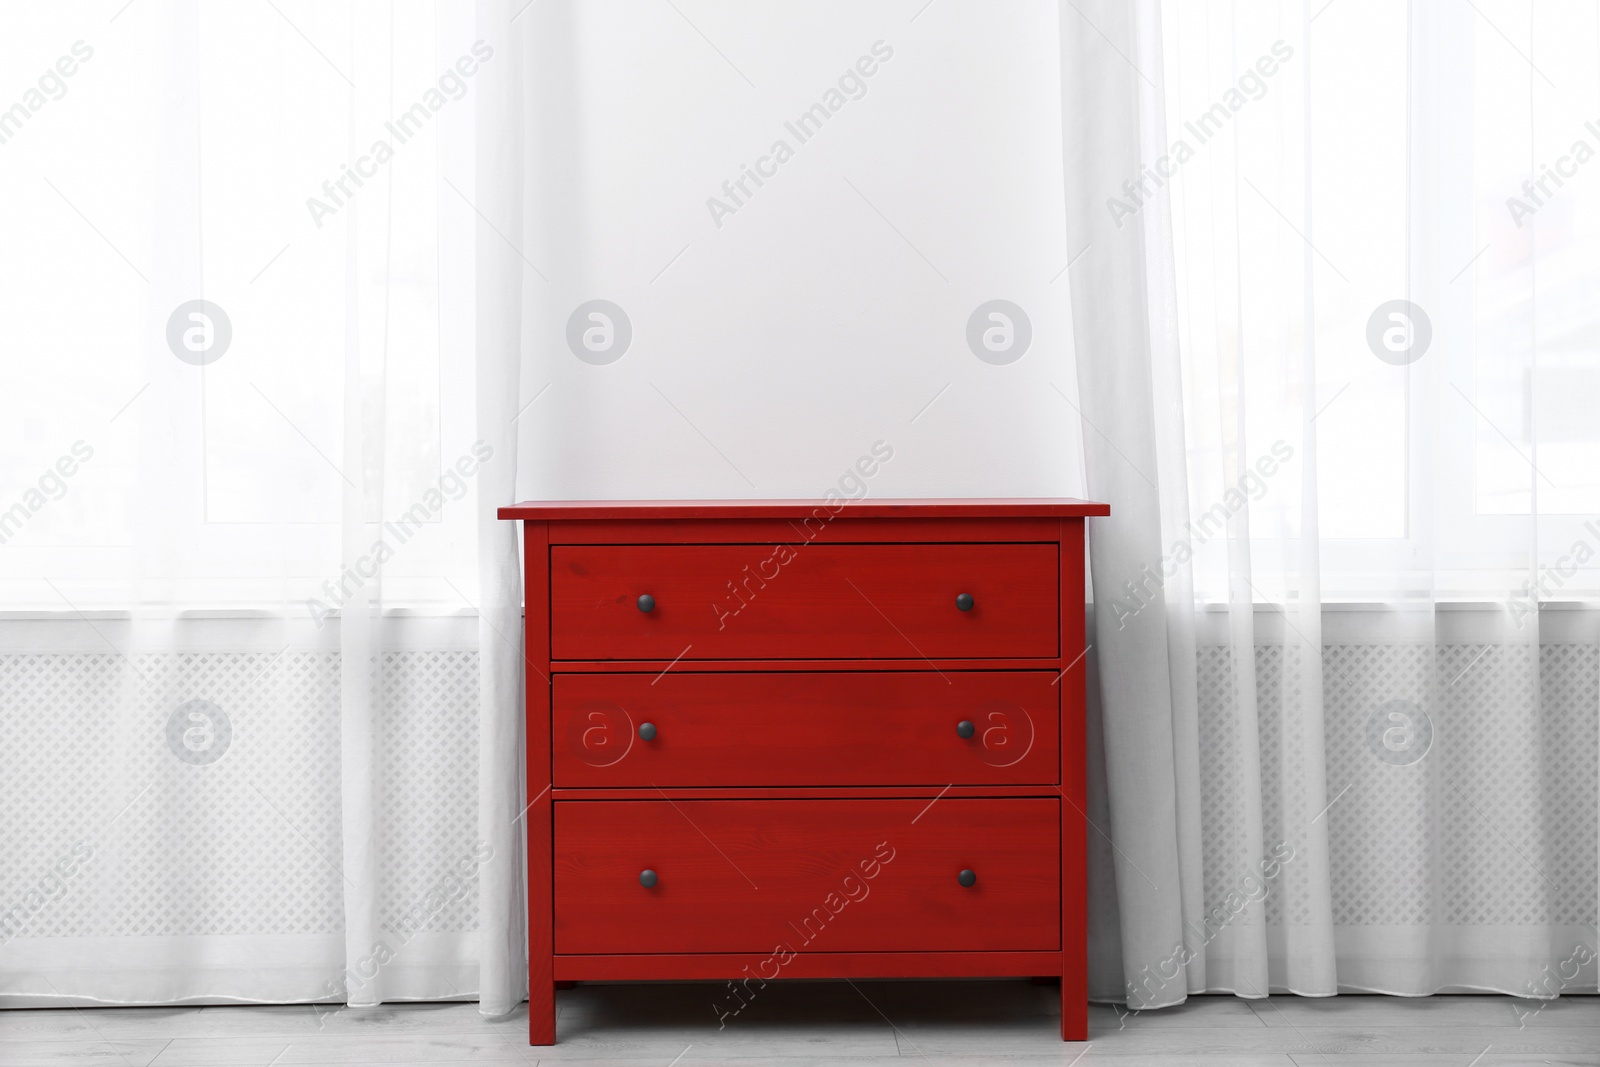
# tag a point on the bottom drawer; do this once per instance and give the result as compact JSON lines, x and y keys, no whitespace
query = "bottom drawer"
{"x":807,"y":875}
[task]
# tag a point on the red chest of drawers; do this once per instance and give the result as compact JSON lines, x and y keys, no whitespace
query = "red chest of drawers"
{"x":783,"y":739}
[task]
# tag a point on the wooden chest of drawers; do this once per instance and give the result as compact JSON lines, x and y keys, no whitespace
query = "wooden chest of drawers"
{"x":781,"y":739}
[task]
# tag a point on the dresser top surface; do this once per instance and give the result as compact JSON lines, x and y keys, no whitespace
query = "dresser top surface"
{"x":867,"y":508}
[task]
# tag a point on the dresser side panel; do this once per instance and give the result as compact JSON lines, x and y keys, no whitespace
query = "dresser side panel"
{"x":539,"y":811}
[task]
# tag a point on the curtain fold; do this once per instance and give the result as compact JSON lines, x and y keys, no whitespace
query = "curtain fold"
{"x":500,"y":184}
{"x":1108,"y":121}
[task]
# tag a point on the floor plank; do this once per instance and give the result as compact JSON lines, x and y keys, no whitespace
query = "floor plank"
{"x":51,"y":1053}
{"x":340,"y":1048}
{"x":1427,"y":1060}
{"x":811,"y":1024}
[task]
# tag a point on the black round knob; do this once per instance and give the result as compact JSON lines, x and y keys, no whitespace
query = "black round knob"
{"x":966,"y":878}
{"x":964,"y":601}
{"x":648,"y":879}
{"x":964,"y":728}
{"x":647,"y":602}
{"x":647,"y":731}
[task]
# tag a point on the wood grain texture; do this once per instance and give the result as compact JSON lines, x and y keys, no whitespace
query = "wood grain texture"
{"x":806,"y":792}
{"x":538,"y":814}
{"x":817,"y":601}
{"x":808,"y":875}
{"x":1074,"y":790}
{"x":874,"y":965}
{"x":859,"y":1023}
{"x":932,"y":663}
{"x":844,"y":528}
{"x":865,"y":508}
{"x":797,"y":729}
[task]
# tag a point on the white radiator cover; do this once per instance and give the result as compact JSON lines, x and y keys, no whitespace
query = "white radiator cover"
{"x":248,"y":844}
{"x":1398,"y":855}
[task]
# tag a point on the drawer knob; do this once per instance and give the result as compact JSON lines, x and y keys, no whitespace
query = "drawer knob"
{"x":964,"y":601}
{"x":647,"y":602}
{"x":964,"y":728}
{"x":647,"y":731}
{"x":648,"y":878}
{"x":966,"y":878}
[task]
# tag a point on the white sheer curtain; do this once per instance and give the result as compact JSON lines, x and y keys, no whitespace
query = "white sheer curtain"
{"x":1333,"y":347}
{"x":260,"y":743}
{"x":259,"y":670}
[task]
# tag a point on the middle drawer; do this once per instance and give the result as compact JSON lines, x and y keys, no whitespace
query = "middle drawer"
{"x":719,"y":729}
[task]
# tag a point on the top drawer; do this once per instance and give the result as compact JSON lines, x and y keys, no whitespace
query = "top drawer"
{"x":878,"y":601}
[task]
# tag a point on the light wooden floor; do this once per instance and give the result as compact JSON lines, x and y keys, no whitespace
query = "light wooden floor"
{"x":949,"y":1024}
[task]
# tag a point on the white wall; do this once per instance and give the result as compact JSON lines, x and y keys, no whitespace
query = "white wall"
{"x":804,"y":328}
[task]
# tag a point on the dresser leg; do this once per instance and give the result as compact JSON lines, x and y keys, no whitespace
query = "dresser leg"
{"x":542,"y":1013}
{"x":1074,"y":1014}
